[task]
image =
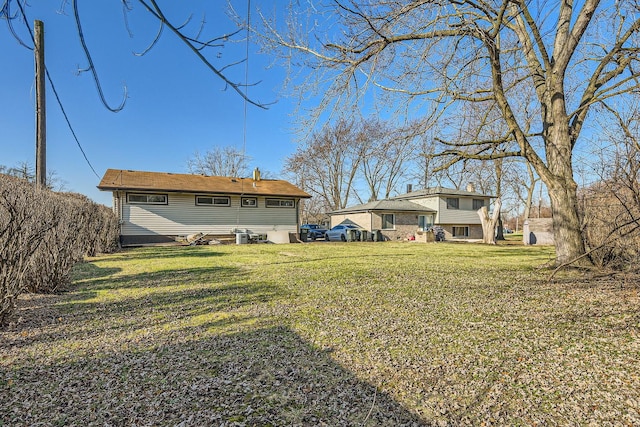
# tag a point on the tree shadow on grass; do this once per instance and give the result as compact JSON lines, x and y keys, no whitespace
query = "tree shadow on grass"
{"x":155,"y":308}
{"x":508,"y":251}
{"x":137,"y":303}
{"x":257,"y":377}
{"x":163,"y":252}
{"x":155,"y":292}
{"x":357,"y":258}
{"x":89,"y":270}
{"x":162,"y":278}
{"x":206,"y":353}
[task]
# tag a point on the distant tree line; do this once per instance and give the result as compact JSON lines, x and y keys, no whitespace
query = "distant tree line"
{"x":27,"y":171}
{"x":43,"y":234}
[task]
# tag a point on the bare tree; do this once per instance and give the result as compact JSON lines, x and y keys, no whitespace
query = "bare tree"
{"x":23,"y":170}
{"x":433,"y":171}
{"x":386,"y":151}
{"x":26,"y":171}
{"x":328,"y":162}
{"x":611,"y":205}
{"x":219,"y":161}
{"x":451,"y":54}
{"x":313,"y":211}
{"x":424,"y":168}
{"x":522,"y":181}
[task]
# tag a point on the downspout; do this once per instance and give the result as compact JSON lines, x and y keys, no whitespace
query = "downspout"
{"x":298,"y":216}
{"x":120,"y":212}
{"x":239,"y":206}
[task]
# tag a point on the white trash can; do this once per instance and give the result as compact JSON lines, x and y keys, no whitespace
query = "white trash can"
{"x":242,"y":238}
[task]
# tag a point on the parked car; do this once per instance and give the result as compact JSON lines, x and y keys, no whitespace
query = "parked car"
{"x":339,"y":232}
{"x":505,"y":230}
{"x":314,"y":231}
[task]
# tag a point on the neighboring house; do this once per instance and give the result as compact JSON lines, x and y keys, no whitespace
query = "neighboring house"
{"x":410,"y":214}
{"x":157,"y":207}
{"x":396,"y":219}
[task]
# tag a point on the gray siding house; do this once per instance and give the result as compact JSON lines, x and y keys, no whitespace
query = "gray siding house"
{"x":413,"y":213}
{"x":156,"y":207}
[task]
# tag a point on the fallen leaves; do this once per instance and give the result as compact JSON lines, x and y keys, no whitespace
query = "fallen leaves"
{"x":380,"y":334}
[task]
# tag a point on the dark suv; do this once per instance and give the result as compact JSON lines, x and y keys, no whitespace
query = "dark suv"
{"x":314,"y":231}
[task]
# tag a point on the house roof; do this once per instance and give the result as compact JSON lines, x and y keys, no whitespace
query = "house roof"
{"x":128,"y":180}
{"x":438,"y":191}
{"x":385,"y":205}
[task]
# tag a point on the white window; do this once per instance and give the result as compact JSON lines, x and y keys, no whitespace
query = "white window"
{"x":213,"y":201}
{"x":147,"y":199}
{"x":249,"y":202}
{"x":477,"y":204}
{"x":388,"y":221}
{"x":460,"y":232}
{"x":453,"y":203}
{"x":280,"y":203}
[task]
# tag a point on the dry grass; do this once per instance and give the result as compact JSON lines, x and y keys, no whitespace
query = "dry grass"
{"x":324,"y":334}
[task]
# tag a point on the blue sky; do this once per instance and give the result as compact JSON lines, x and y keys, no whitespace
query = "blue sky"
{"x":175,"y":105}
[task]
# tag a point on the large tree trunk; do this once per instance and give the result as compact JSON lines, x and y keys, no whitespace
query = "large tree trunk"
{"x":489,"y":222}
{"x":500,"y":231}
{"x":498,"y":165}
{"x":566,"y":223}
{"x":561,"y":186}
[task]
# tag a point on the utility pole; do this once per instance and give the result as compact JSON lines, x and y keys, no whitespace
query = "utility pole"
{"x":41,"y":116}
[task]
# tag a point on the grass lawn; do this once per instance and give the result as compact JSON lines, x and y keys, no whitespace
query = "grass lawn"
{"x":362,"y":334}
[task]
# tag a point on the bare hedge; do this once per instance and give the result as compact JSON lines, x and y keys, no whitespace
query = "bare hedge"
{"x":611,"y":224}
{"x":43,"y":234}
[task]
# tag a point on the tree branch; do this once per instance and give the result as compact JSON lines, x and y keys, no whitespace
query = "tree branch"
{"x":158,"y":14}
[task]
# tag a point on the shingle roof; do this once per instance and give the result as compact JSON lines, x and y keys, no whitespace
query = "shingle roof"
{"x":432,"y":191}
{"x":386,"y":205}
{"x":116,"y":179}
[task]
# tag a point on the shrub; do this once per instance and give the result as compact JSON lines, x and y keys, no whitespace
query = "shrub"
{"x":84,"y":228}
{"x":100,"y":225}
{"x":25,"y":217}
{"x":43,"y":234}
{"x":611,"y":213}
{"x":61,"y":247}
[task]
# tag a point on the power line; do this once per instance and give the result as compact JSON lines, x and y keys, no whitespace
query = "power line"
{"x":244,"y":118}
{"x":66,"y":118}
{"x":53,"y":88}
{"x":246,"y":79}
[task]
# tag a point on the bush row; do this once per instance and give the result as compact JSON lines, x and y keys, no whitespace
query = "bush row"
{"x":43,"y":234}
{"x":611,"y":225}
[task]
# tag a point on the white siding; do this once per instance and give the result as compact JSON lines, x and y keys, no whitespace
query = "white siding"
{"x":429,"y":202}
{"x":463,"y":216}
{"x":181,"y":216}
